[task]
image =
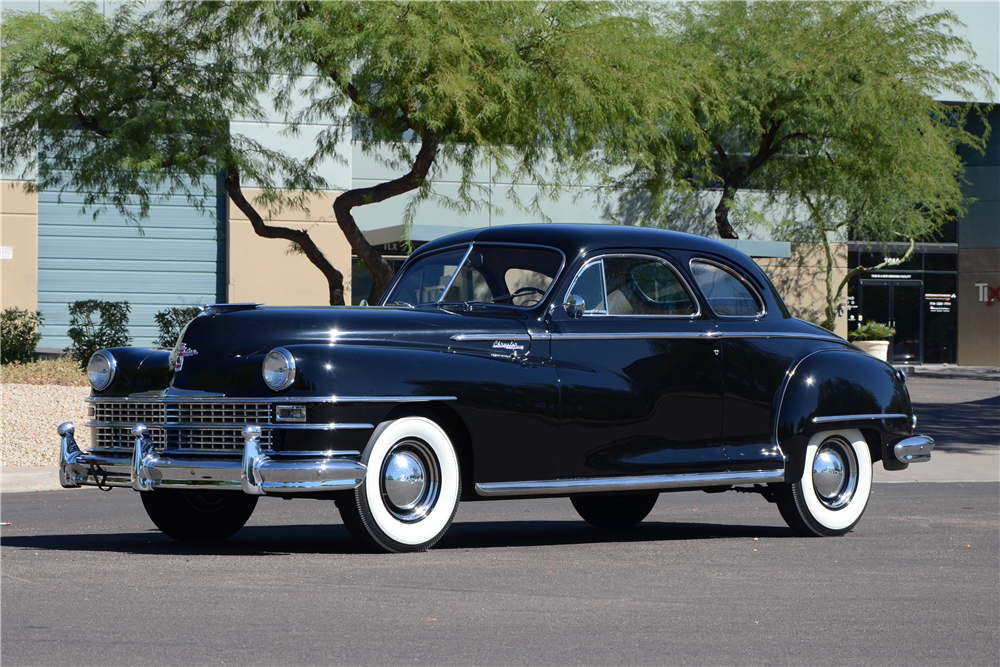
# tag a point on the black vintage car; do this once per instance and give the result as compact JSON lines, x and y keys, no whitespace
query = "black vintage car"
{"x":606,"y":364}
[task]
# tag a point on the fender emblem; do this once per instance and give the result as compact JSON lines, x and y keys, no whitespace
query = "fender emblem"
{"x":184,"y":351}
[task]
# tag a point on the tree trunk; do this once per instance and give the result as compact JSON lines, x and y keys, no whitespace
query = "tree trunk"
{"x":725,"y":229}
{"x":382,"y":273}
{"x":334,"y":278}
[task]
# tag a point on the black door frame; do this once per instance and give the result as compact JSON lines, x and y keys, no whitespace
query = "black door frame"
{"x":892,"y":284}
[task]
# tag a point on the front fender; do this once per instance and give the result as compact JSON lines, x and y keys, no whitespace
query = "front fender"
{"x":841,"y":389}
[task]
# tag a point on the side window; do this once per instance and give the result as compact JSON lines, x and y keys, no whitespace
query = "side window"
{"x":727,"y":294}
{"x":629,"y":285}
{"x":590,"y":286}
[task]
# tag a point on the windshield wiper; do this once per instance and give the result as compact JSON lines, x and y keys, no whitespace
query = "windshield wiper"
{"x":401,"y":303}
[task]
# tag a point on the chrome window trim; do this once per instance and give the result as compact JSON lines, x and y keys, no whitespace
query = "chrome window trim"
{"x":754,"y":292}
{"x":851,"y":418}
{"x":283,"y":399}
{"x":673,"y":269}
{"x":558,"y":487}
{"x":454,"y":275}
{"x":604,"y":285}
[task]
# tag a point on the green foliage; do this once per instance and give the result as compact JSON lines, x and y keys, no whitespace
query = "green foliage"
{"x":19,"y":335}
{"x":95,"y":325}
{"x":170,"y":323}
{"x":872,"y":330}
{"x":128,"y":110}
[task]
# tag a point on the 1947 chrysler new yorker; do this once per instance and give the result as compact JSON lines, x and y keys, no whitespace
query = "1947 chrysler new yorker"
{"x":606,"y":364}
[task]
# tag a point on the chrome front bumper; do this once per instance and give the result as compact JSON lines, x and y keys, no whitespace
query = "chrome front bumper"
{"x":915,"y":449}
{"x":256,"y":473}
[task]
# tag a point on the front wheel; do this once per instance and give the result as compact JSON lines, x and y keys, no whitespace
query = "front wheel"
{"x":198,"y":516}
{"x":410,"y":492}
{"x":614,"y":511}
{"x":833,"y":491}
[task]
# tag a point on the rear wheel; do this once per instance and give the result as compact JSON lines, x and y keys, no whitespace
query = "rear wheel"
{"x":411,"y":489}
{"x":615,"y":511}
{"x":198,"y":516}
{"x":835,"y":486}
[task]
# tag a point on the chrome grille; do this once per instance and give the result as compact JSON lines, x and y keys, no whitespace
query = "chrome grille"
{"x":214,"y":437}
{"x":130,"y":412}
{"x":115,"y":437}
{"x":219,"y":413}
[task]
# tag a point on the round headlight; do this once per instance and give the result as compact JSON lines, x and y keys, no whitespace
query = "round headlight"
{"x":101,"y":369}
{"x":278,"y":369}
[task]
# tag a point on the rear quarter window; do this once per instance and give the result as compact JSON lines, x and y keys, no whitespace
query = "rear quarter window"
{"x":728,"y":294}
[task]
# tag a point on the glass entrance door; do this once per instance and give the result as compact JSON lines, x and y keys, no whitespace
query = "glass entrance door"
{"x":896,"y":303}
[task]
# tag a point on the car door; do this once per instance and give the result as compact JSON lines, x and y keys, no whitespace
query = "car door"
{"x":640,"y":372}
{"x":756,"y":359}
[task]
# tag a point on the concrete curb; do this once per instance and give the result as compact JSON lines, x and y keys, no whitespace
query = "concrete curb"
{"x":29,"y":478}
{"x":982,"y":466}
{"x":948,"y":372}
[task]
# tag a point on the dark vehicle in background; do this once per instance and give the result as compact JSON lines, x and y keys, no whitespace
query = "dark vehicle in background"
{"x":606,"y":364}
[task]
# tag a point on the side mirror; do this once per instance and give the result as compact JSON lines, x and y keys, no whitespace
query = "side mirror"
{"x":575,"y":306}
{"x":364,"y":303}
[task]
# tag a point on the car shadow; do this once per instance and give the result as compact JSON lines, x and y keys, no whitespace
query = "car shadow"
{"x":960,"y":427}
{"x":334,"y":539}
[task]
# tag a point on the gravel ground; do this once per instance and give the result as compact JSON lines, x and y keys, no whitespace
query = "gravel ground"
{"x":30,"y":415}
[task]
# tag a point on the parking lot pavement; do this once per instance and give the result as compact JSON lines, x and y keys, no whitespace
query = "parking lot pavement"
{"x":706,"y":579}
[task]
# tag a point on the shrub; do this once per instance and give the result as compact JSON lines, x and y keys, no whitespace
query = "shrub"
{"x":170,"y":323}
{"x":872,"y":330}
{"x":88,"y":335}
{"x":19,"y":335}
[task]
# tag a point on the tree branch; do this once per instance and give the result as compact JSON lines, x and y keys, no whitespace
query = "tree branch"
{"x":381,"y":271}
{"x":335,"y":278}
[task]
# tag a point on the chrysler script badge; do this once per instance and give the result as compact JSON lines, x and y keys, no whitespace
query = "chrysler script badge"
{"x":184,"y":351}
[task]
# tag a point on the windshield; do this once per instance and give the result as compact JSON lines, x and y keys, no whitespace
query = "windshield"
{"x":506,"y":274}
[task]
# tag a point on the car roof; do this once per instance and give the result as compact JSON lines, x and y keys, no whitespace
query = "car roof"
{"x":576,"y":239}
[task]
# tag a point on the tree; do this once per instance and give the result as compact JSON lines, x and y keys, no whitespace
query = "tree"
{"x":138,"y":104}
{"x":815,"y":88}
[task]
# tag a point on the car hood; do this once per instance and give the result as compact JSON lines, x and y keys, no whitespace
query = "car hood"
{"x":214,"y":346}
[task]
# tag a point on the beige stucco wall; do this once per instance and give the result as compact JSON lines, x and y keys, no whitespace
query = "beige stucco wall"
{"x":978,"y":323}
{"x":261,"y":270}
{"x":801,"y":280}
{"x":19,"y":232}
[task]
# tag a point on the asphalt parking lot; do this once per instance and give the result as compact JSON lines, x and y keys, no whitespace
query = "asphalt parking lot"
{"x":706,"y":579}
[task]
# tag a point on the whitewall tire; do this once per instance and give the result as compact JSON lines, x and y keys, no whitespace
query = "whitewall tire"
{"x":411,"y":489}
{"x":833,"y":491}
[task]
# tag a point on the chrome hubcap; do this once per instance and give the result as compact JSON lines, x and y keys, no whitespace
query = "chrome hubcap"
{"x":835,"y":473}
{"x":404,"y":480}
{"x":410,"y":480}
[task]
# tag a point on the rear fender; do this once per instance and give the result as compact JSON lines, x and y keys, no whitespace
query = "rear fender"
{"x":839,"y":389}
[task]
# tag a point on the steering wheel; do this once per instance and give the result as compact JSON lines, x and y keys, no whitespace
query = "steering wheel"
{"x":521,"y":291}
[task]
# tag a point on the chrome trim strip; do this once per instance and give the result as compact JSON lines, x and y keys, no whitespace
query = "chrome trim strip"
{"x":462,"y":338}
{"x":312,"y":427}
{"x":676,"y":335}
{"x":559,"y":487}
{"x":230,"y":425}
{"x":915,"y":449}
{"x":851,"y":418}
{"x":284,"y":399}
